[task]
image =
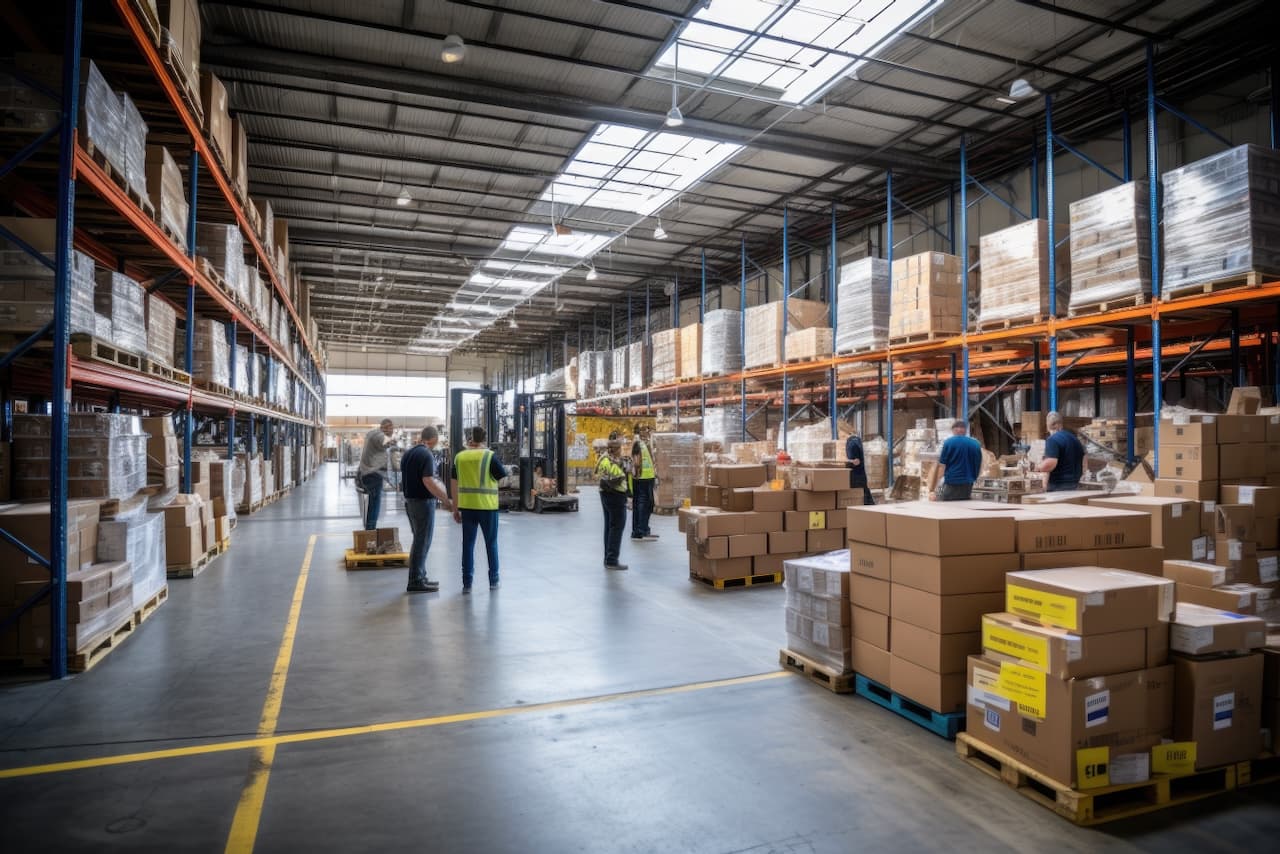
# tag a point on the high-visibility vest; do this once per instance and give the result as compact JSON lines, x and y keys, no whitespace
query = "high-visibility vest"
{"x":477,"y":490}
{"x":608,"y":468}
{"x":646,"y":463}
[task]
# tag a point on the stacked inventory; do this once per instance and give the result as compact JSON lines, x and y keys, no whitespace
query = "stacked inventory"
{"x":180,"y":35}
{"x":189,"y":531}
{"x":26,"y":284}
{"x":164,"y":460}
{"x":767,"y":328}
{"x":129,"y":534}
{"x":721,"y":342}
{"x":211,"y":362}
{"x":1111,"y":248}
{"x":618,"y":368}
{"x":677,"y":460}
{"x":636,"y":375}
{"x":249,"y":472}
{"x":722,"y":424}
{"x":1219,"y":218}
{"x":925,"y":297}
{"x":666,"y":356}
{"x":689,"y":365}
{"x":1072,"y":679}
{"x":122,"y":302}
{"x":862,"y":307}
{"x":1015,"y":275}
{"x":1112,"y":435}
{"x":164,"y":183}
{"x":162,"y":324}
{"x":817,"y":609}
{"x":106,"y":456}
{"x":1175,"y":523}
{"x":223,"y":246}
{"x":809,"y":344}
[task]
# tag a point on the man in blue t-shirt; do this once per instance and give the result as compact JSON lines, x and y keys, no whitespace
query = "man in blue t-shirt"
{"x":959,"y":462}
{"x":1063,"y":456}
{"x":422,"y":489}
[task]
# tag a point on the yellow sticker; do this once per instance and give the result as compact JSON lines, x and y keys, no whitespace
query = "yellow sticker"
{"x":1176,"y":758}
{"x":1091,"y":767}
{"x":1025,"y":686}
{"x":1015,"y":644}
{"x":986,"y":680}
{"x":817,"y":520}
{"x":1053,"y":609}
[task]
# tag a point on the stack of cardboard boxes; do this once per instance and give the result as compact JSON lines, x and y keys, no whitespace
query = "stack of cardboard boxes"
{"x":164,"y":458}
{"x":678,"y":463}
{"x":1015,"y":274}
{"x":767,"y":328}
{"x":925,"y":297}
{"x":106,"y":455}
{"x":690,"y":353}
{"x":666,"y":356}
{"x":817,"y":610}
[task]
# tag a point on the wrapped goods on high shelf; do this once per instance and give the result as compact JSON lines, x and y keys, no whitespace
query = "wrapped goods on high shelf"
{"x":862,"y":307}
{"x":223,"y":246}
{"x":217,"y":119}
{"x":1111,"y":247}
{"x":618,"y":368}
{"x":818,"y":612}
{"x":752,"y":452}
{"x":267,"y":216}
{"x":27,"y":285}
{"x":766,"y":328}
{"x":101,"y":113}
{"x":280,"y":240}
{"x":637,"y":376}
{"x":283,"y":395}
{"x":722,"y":424}
{"x":586,"y":374}
{"x":167,"y":193}
{"x":1219,"y":218}
{"x":249,"y":472}
{"x":164,"y":457}
{"x":211,"y":362}
{"x":666,"y":356}
{"x":128,"y":533}
{"x":556,"y":382}
{"x":25,"y":108}
{"x":238,"y":166}
{"x":243,"y":368}
{"x":677,"y":459}
{"x":690,"y":364}
{"x":1015,"y":275}
{"x":721,"y":342}
{"x":181,"y":36}
{"x":123,"y":300}
{"x":106,"y":456}
{"x":925,"y":297}
{"x":260,"y":377}
{"x":806,"y":345}
{"x":133,"y":144}
{"x":602,"y":370}
{"x":261,"y":296}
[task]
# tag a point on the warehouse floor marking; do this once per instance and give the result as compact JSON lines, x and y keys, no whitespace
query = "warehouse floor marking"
{"x":244,"y":828}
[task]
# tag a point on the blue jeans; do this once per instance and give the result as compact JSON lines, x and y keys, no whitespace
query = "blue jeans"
{"x":955,"y":491}
{"x":641,"y":507}
{"x":614,"y":505}
{"x":1063,"y":487}
{"x":422,"y":521}
{"x":372,"y":484}
{"x":486,"y":522}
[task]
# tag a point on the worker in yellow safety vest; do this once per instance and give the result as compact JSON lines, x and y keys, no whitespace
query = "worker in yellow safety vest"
{"x":612,"y":476}
{"x":475,"y":476}
{"x":645,"y":479}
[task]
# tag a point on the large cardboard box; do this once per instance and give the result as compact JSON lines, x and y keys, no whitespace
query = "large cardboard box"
{"x":1241,"y":461}
{"x":872,"y":627}
{"x":820,"y":479}
{"x":875,"y":594}
{"x":1241,"y":429}
{"x":1265,"y":500}
{"x":738,"y":567}
{"x":807,"y":501}
{"x":932,"y":651}
{"x":936,"y":530}
{"x":1056,"y":527}
{"x":734,"y":475}
{"x":1196,"y":573}
{"x":217,"y":119}
{"x":868,"y":524}
{"x":1060,"y":653}
{"x":871,"y":661}
{"x":1193,"y":490}
{"x":184,"y":545}
{"x":1202,"y":432}
{"x":1197,"y":630}
{"x":1189,"y":462}
{"x":1175,"y":522}
{"x":782,"y":542}
{"x":748,"y":545}
{"x":942,"y":692}
{"x":875,"y":561}
{"x":942,"y":614}
{"x":951,"y":575}
{"x":831,"y":539}
{"x":1237,"y":598}
{"x":773,"y":499}
{"x":1067,"y":729}
{"x":719,"y":524}
{"x":1218,"y":705}
{"x":1090,"y":600}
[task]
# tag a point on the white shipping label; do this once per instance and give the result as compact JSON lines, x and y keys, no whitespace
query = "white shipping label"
{"x":1210,"y":506}
{"x":1177,"y":511}
{"x":1269,"y":569}
{"x":1189,"y":639}
{"x":1097,"y":708}
{"x":1224,"y":706}
{"x":1075,"y":648}
{"x":821,"y":634}
{"x":1097,"y":597}
{"x":1167,"y":601}
{"x":1129,"y":768}
{"x":1235,"y":550}
{"x":1246,"y":493}
{"x":1208,"y":419}
{"x":1181,"y":419}
{"x":1200,"y":548}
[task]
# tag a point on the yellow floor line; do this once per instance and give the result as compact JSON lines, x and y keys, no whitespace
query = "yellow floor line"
{"x":371,"y":729}
{"x":244,"y":827}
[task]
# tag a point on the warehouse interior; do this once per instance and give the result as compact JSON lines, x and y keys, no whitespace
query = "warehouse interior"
{"x":783,"y":262}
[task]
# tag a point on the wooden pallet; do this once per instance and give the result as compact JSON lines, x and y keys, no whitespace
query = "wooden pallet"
{"x":222,"y":546}
{"x":1251,"y":279}
{"x":866,"y":348}
{"x":1260,"y":771}
{"x":117,"y":175}
{"x":178,"y":240}
{"x":193,"y":569}
{"x":746,"y":581}
{"x":213,"y":274}
{"x":920,"y":338}
{"x":1096,"y":806}
{"x":945,"y":724}
{"x":149,"y":607}
{"x":836,"y":681}
{"x":188,"y":89}
{"x":95,"y":350}
{"x":246,"y":509}
{"x":1010,"y":322}
{"x":216,"y":388}
{"x":360,"y":560}
{"x":1131,"y":301}
{"x":159,"y":369}
{"x":77,"y":662}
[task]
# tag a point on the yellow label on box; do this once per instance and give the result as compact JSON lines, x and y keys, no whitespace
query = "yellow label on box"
{"x":1176,"y":758}
{"x":1016,"y":644}
{"x":1025,"y":686}
{"x":1092,"y":770}
{"x":817,"y":520}
{"x":986,"y":680}
{"x":1051,"y":608}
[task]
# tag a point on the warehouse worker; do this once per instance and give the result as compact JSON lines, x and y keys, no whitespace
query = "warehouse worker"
{"x":612,"y":476}
{"x":857,"y":468}
{"x":475,"y":476}
{"x":422,"y":489}
{"x":959,"y":462}
{"x":1063,"y":456}
{"x":373,"y":465}
{"x":643,"y":481}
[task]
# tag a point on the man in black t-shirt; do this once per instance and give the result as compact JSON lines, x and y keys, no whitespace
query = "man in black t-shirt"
{"x":857,"y":468}
{"x":422,"y":489}
{"x":1063,"y":456}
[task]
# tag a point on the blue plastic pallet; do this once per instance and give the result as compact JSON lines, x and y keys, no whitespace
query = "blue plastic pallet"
{"x":936,"y":722}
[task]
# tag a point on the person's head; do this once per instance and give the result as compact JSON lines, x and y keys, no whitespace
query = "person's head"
{"x":613,"y":436}
{"x":1053,"y":421}
{"x":387,"y":426}
{"x":959,"y":427}
{"x":430,"y":436}
{"x":615,"y":447}
{"x":642,"y":430}
{"x":475,"y":436}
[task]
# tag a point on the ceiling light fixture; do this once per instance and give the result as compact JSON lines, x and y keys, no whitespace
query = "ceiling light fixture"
{"x":592,"y":275}
{"x":1004,"y":99}
{"x":659,"y":233}
{"x":675,"y":118}
{"x":453,"y":50}
{"x":1020,"y":89}
{"x":404,"y":198}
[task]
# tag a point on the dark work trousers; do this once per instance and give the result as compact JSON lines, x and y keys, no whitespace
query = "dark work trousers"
{"x":641,"y":507}
{"x":614,"y":505}
{"x":955,"y":492}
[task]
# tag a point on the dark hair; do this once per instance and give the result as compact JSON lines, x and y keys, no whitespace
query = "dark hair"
{"x":476,"y":435}
{"x":429,"y":433}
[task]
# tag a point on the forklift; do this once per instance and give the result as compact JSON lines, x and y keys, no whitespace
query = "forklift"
{"x":478,"y":407}
{"x":543,"y":441}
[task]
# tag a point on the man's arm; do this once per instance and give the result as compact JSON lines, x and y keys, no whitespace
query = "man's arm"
{"x":934,"y":476}
{"x":457,"y":511}
{"x":436,"y":488}
{"x":1048,"y":464}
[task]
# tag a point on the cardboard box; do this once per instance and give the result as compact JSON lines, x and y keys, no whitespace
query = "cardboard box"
{"x":1196,"y":573}
{"x":824,"y":576}
{"x":1239,"y":598}
{"x":802,"y":520}
{"x":737,"y":500}
{"x":942,"y":614}
{"x":1203,"y":433}
{"x":1089,"y":600}
{"x":952,"y":575}
{"x":1175,"y":522}
{"x":871,"y":661}
{"x":820,"y":479}
{"x":1265,"y":500}
{"x":705,"y":495}
{"x":1197,"y":630}
{"x":1218,"y":705}
{"x":1193,"y":490}
{"x":875,"y":561}
{"x":1241,"y":429}
{"x":875,"y":594}
{"x":734,"y":475}
{"x":868,"y":524}
{"x":1240,"y":559}
{"x":1146,"y":560}
{"x":1054,"y":528}
{"x":738,"y":567}
{"x":182,"y":511}
{"x":835,"y":521}
{"x":722,"y":524}
{"x":946,"y":532}
{"x":831,"y":539}
{"x":713,"y":548}
{"x":1064,"y":727}
{"x":942,"y":692}
{"x":764,"y":522}
{"x":748,"y":545}
{"x":781,"y":542}
{"x":217,"y":120}
{"x":871,"y":627}
{"x":184,"y":546}
{"x":1189,"y":462}
{"x":1060,"y":653}
{"x":1241,"y":460}
{"x":778,"y":500}
{"x":808,"y":501}
{"x":932,"y":651}
{"x":771,"y":563}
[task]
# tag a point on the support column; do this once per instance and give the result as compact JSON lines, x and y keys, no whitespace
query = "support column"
{"x":1053,"y":278}
{"x":1157,"y":289}
{"x":190,"y":343}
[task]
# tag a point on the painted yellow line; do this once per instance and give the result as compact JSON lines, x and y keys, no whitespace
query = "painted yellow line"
{"x":372,"y":729}
{"x":244,"y":827}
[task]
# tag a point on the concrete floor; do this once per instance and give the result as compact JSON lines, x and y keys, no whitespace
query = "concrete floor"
{"x":773,"y":764}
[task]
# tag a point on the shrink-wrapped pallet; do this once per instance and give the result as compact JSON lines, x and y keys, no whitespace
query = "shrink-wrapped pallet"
{"x":223,"y":246}
{"x":133,"y":145}
{"x":722,"y":424}
{"x":666,"y":356}
{"x":636,"y":374}
{"x":27,"y":284}
{"x":690,"y":352}
{"x":1111,"y":247}
{"x":212,"y":354}
{"x":123,"y":300}
{"x":925,"y":297}
{"x":862,"y":307}
{"x":602,"y":366}
{"x":586,"y":374}
{"x":106,"y":455}
{"x":1015,"y":275}
{"x":767,"y":330}
{"x":136,"y":537}
{"x":1220,"y":218}
{"x":618,"y":374}
{"x":721,"y":342}
{"x":677,"y":460}
{"x":165,"y":189}
{"x":806,"y":345}
{"x":101,"y":113}
{"x":818,"y":613}
{"x":162,"y":324}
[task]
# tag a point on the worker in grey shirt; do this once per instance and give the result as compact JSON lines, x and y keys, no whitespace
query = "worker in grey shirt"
{"x":373,"y":465}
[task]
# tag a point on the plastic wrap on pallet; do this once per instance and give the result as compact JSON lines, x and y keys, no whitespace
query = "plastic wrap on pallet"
{"x":106,"y":456}
{"x":555,"y":382}
{"x":722,"y":424}
{"x":281,"y":381}
{"x":212,"y":357}
{"x":810,"y":443}
{"x":1111,"y":247}
{"x":603,"y":367}
{"x":167,"y":194}
{"x":666,"y":356}
{"x":1220,"y":217}
{"x":721,"y":342}
{"x":1015,"y":274}
{"x":243,"y":368}
{"x":766,"y":329}
{"x":138,"y":539}
{"x":124,"y":301}
{"x":162,"y":325}
{"x":925,"y":296}
{"x":101,"y":115}
{"x":862,"y":306}
{"x":677,"y":460}
{"x":223,"y":245}
{"x":809,"y":344}
{"x":586,"y":374}
{"x":27,"y":285}
{"x":618,"y":368}
{"x":636,"y":374}
{"x":133,"y":145}
{"x":249,"y":473}
{"x":260,"y":376}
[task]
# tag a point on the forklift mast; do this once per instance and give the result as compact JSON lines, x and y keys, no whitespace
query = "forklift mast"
{"x":541,"y":435}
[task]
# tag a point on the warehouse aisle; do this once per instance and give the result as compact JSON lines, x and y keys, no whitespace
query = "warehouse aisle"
{"x":573,"y":709}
